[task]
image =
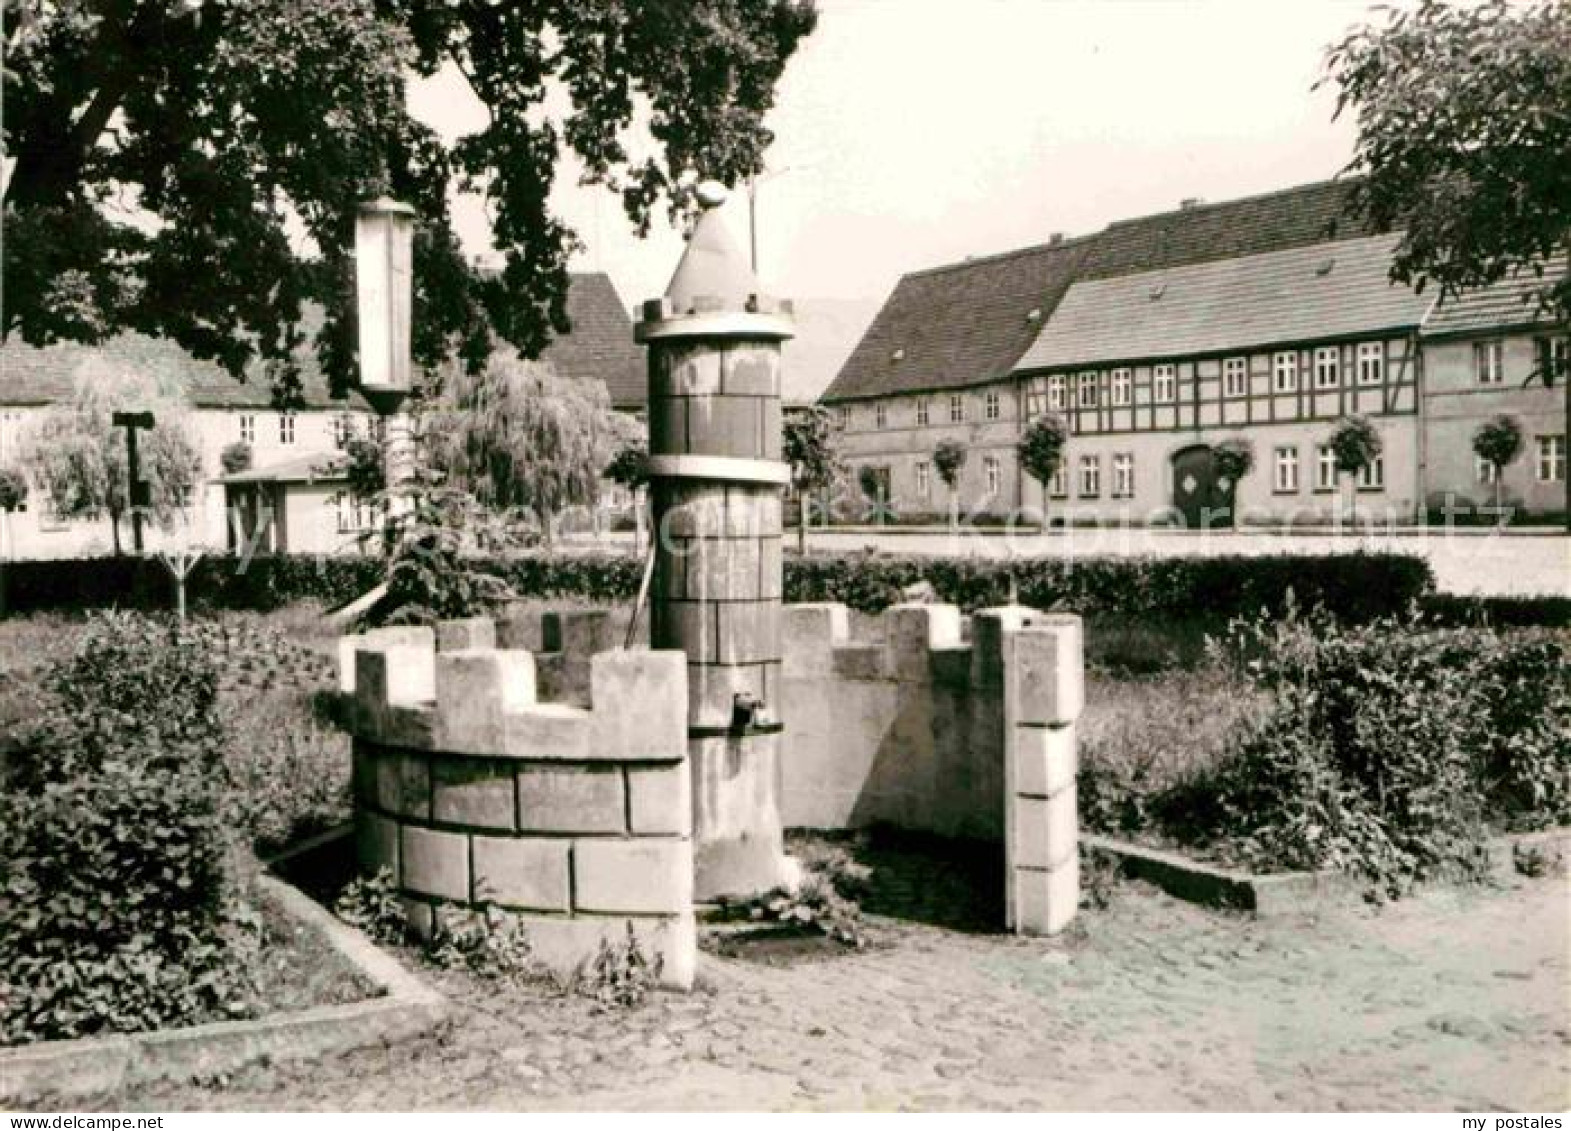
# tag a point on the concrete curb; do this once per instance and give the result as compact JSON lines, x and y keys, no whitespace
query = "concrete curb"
{"x":1284,"y":893}
{"x":93,"y":1065}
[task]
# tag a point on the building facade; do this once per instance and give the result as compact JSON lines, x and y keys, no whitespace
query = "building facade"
{"x":291,"y":498}
{"x":1264,"y":320}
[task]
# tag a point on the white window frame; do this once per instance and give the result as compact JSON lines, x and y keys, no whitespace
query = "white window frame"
{"x":1164,"y":383}
{"x":992,"y":474}
{"x":1372,"y":476}
{"x":1552,"y":458}
{"x":1235,"y":376}
{"x":992,"y":405}
{"x":1371,"y":363}
{"x":1284,"y":476}
{"x":1057,"y":392}
{"x":1087,"y":387}
{"x":1489,"y":362}
{"x":1058,"y":486}
{"x":880,"y":415}
{"x":1124,"y":475}
{"x":924,"y":481}
{"x":1123,"y":386}
{"x":286,"y":428}
{"x":1328,"y":367}
{"x":247,"y":428}
{"x":1090,"y":477}
{"x":1325,"y":468}
{"x":1284,"y":371}
{"x":922,"y":411}
{"x":1483,"y":471}
{"x":957,"y":408}
{"x":843,"y":416}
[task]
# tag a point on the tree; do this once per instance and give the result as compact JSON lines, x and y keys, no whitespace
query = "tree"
{"x":948,"y":458}
{"x":1464,"y":123}
{"x":78,"y":457}
{"x":1041,"y":451}
{"x":871,"y":482}
{"x":1233,"y":459}
{"x":235,"y":457}
{"x":1356,"y":445}
{"x":808,"y":444}
{"x":13,"y":495}
{"x":629,"y":469}
{"x":235,"y":128}
{"x":519,"y":438}
{"x":1498,"y":441}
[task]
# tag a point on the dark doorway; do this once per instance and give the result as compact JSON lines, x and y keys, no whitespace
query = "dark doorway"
{"x":1205,"y":501}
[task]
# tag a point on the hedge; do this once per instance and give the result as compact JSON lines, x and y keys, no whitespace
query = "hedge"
{"x":1354,"y":587}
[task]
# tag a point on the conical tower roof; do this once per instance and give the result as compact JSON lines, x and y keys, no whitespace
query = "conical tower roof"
{"x":714,"y":273}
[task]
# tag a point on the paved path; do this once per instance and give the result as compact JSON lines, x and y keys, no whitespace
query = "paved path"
{"x":1454,"y":999}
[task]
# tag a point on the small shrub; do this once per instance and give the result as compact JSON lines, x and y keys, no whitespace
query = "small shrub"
{"x":288,"y":769}
{"x":620,"y":976}
{"x":824,"y":901}
{"x":486,"y":941}
{"x":371,"y":904}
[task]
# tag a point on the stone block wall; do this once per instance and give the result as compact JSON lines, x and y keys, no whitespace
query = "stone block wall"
{"x":961,"y":728}
{"x":470,"y":789}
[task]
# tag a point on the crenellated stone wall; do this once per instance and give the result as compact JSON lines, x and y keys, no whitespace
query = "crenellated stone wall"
{"x":956,"y":726}
{"x":471,"y":790}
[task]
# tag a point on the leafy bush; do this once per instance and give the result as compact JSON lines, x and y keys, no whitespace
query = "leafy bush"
{"x":620,"y":975}
{"x":371,"y":904}
{"x":824,"y":901}
{"x":288,"y":768}
{"x":1387,"y":748}
{"x":120,"y":904}
{"x":486,"y":941}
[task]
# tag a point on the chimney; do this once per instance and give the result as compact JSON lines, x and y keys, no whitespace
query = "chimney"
{"x":1190,"y":202}
{"x":1055,"y":239}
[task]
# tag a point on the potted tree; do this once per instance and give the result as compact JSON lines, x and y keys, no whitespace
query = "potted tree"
{"x":948,"y":458}
{"x":1041,"y":451}
{"x":1233,"y":459}
{"x":1356,"y":445}
{"x":1498,"y":441}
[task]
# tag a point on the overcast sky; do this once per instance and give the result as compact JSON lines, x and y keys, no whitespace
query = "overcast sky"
{"x":911,"y":133}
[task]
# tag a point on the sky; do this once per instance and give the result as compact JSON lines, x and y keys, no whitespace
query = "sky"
{"x":911,"y":133}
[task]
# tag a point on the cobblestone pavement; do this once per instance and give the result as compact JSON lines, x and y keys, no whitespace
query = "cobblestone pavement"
{"x":1456,"y":998}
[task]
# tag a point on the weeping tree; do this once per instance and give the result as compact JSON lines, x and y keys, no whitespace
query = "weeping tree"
{"x":1498,"y":441}
{"x":78,"y":457}
{"x":520,"y":439}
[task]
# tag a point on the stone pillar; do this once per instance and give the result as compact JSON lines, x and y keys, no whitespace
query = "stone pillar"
{"x":1043,"y":694}
{"x":716,"y":478}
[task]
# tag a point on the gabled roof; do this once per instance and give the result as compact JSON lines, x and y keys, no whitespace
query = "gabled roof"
{"x":966,"y":323}
{"x":600,"y":344}
{"x":1325,"y":290}
{"x":33,"y":376}
{"x":1510,"y":303}
{"x":960,"y":325}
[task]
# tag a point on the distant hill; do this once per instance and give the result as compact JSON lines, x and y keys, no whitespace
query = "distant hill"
{"x":827,"y":329}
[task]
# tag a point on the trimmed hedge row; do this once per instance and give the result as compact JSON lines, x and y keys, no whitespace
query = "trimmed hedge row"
{"x":1354,"y":587}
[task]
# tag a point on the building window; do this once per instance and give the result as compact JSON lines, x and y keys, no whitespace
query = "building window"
{"x":843,"y":417}
{"x":1552,"y":459}
{"x":921,"y":411}
{"x":247,"y":428}
{"x":354,"y":515}
{"x":1090,"y":477}
{"x":1371,"y":362}
{"x":1284,"y":369}
{"x":1328,"y":367}
{"x":924,"y":483}
{"x":880,"y":415}
{"x":1058,"y":487}
{"x":1286,"y":470}
{"x":1373,"y":475}
{"x":1163,"y":383}
{"x":1483,"y":470}
{"x":1325,"y":468}
{"x":343,"y":429}
{"x":957,"y":408}
{"x":1123,"y":386}
{"x":1554,"y":358}
{"x":1087,"y":390}
{"x":990,"y":469}
{"x":1057,"y":397}
{"x":286,"y":428}
{"x":1235,"y":377}
{"x":1487,"y":367}
{"x":1124,"y":476}
{"x":990,"y":406}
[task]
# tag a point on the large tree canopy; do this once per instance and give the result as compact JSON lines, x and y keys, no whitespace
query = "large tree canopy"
{"x":190,"y":168}
{"x":1464,"y":138}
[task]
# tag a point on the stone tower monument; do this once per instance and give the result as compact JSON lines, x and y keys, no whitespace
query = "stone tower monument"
{"x":716,"y":478}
